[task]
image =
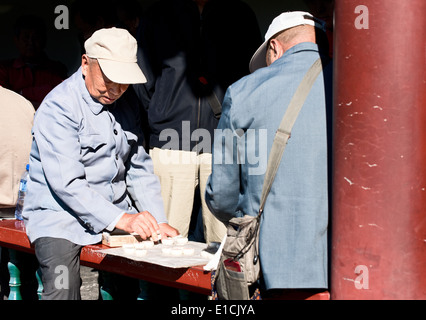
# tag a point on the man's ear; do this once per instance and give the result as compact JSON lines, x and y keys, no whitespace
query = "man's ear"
{"x":85,"y":64}
{"x":277,"y":49}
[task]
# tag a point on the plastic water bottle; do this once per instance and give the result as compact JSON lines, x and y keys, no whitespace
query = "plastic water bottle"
{"x":21,"y":193}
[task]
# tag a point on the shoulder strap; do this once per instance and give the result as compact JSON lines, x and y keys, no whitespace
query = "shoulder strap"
{"x":212,"y":99}
{"x":284,"y":131}
{"x":215,"y":104}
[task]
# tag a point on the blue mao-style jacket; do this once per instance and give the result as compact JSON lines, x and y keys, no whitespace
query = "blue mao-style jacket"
{"x":87,"y":166}
{"x":294,"y":225}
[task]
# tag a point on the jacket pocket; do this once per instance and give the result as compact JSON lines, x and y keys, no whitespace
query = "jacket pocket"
{"x":90,"y":143}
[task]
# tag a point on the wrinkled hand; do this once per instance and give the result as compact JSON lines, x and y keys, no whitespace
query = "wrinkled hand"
{"x":142,"y":223}
{"x":167,"y":231}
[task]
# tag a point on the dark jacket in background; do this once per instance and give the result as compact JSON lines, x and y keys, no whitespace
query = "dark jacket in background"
{"x":181,"y":51}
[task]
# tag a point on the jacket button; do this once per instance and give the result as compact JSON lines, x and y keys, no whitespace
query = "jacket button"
{"x":115,"y":132}
{"x":116,"y":157}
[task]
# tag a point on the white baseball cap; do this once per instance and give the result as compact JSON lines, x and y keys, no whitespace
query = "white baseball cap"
{"x":116,"y":50}
{"x":284,"y":21}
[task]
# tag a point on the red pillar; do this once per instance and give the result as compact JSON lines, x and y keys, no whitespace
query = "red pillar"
{"x":379,"y":205}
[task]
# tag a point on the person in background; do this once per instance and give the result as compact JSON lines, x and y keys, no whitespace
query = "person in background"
{"x":16,"y":120}
{"x":186,"y":47}
{"x":293,"y":230}
{"x":89,"y":172}
{"x":90,"y":16}
{"x":129,"y":14}
{"x":33,"y":74}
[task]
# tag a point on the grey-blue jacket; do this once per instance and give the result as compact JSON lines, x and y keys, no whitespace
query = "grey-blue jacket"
{"x":293,"y":235}
{"x":87,"y":166}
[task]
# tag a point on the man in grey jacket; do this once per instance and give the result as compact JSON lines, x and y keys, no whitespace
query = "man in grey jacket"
{"x":293,"y":234}
{"x":89,"y":171}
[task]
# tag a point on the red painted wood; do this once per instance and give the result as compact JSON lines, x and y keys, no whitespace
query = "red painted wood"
{"x":12,"y":235}
{"x":379,"y":196}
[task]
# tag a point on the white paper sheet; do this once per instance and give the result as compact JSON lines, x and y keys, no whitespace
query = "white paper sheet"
{"x":155,"y":255}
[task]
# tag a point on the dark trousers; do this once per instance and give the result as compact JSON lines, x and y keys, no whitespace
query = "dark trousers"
{"x":59,"y":261}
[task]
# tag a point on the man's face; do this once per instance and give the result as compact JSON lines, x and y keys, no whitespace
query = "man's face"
{"x":98,"y":85}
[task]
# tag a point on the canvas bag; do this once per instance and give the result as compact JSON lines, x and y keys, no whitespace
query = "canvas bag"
{"x":239,"y":265}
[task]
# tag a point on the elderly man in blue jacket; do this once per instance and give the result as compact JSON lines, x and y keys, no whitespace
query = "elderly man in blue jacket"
{"x":293,"y":234}
{"x":89,"y":172}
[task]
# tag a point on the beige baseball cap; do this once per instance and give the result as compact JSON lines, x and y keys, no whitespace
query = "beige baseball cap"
{"x":116,"y":50}
{"x":284,"y":21}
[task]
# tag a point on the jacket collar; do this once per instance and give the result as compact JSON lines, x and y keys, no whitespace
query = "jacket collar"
{"x":304,"y":46}
{"x":94,"y":105}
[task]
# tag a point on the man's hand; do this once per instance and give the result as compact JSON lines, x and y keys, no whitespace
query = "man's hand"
{"x":168,"y":231}
{"x":145,"y":225}
{"x":142,"y":223}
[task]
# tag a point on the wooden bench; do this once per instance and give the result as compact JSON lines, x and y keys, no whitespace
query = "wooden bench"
{"x":195,"y":279}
